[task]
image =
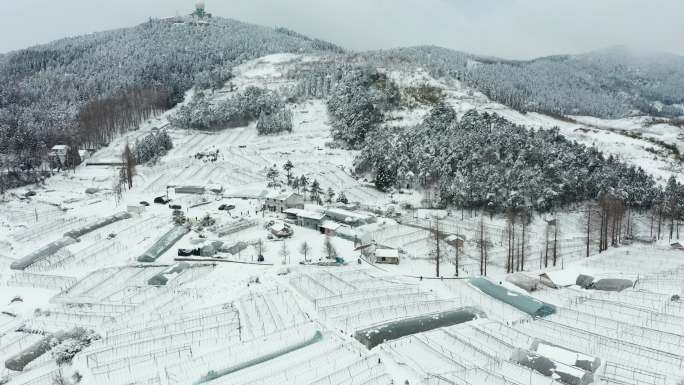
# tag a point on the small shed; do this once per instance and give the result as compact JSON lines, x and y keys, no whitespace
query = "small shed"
{"x":329,"y":227}
{"x":455,"y":241}
{"x":387,"y":256}
{"x":59,"y":152}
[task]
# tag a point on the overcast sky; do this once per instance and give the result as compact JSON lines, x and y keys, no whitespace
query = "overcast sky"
{"x":507,"y":28}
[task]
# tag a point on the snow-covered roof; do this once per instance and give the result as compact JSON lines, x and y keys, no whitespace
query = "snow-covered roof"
{"x":330,"y":225}
{"x":387,"y":253}
{"x":305,"y":214}
{"x":563,"y":277}
{"x":312,"y":215}
{"x":59,"y":147}
{"x":278,"y":226}
{"x":347,"y":214}
{"x":348,"y":231}
{"x":281,"y":196}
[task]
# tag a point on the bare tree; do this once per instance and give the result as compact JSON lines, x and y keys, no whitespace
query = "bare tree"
{"x":551,"y":231}
{"x":588,"y":215}
{"x":524,"y":220}
{"x":483,"y":245}
{"x":457,"y":245}
{"x":305,"y":249}
{"x":129,"y":165}
{"x":117,"y":188}
{"x":437,"y":251}
{"x":284,"y":252}
{"x":555,"y":242}
{"x":260,"y":248}
{"x":510,"y":230}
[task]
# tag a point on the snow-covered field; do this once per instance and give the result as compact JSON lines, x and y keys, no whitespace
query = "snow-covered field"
{"x":236,"y":321}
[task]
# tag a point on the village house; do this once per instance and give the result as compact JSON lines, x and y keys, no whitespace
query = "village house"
{"x":282,"y":202}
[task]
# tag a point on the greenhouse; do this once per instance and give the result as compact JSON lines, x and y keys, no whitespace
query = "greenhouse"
{"x":102,"y":222}
{"x":522,"y":302}
{"x":376,"y":335}
{"x":163,"y":244}
{"x":42,"y":253}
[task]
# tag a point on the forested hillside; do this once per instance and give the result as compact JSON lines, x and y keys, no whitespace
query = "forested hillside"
{"x":486,"y":162}
{"x":87,"y":89}
{"x":610,"y":83}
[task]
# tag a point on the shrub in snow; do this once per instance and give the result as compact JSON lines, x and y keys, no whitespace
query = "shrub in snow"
{"x":152,"y":147}
{"x":67,"y":349}
{"x":278,"y":121}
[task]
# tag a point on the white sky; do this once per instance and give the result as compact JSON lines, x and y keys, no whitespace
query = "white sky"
{"x":506,"y":28}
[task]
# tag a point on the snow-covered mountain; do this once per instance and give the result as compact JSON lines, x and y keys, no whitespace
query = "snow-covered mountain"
{"x":241,"y":232}
{"x":611,"y":83}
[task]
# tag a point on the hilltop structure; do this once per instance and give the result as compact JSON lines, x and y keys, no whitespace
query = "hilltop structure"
{"x":200,"y":11}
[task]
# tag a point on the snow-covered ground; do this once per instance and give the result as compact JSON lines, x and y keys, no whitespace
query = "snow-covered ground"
{"x":236,"y":321}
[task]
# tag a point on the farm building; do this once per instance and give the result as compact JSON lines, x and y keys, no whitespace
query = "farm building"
{"x":389,"y":256}
{"x":351,"y":218}
{"x":305,"y":218}
{"x":280,"y":203}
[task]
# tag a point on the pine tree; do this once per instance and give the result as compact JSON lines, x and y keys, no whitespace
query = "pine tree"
{"x":303,"y":183}
{"x":272,"y":176}
{"x":305,"y":249}
{"x":315,"y":191}
{"x":288,"y":166}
